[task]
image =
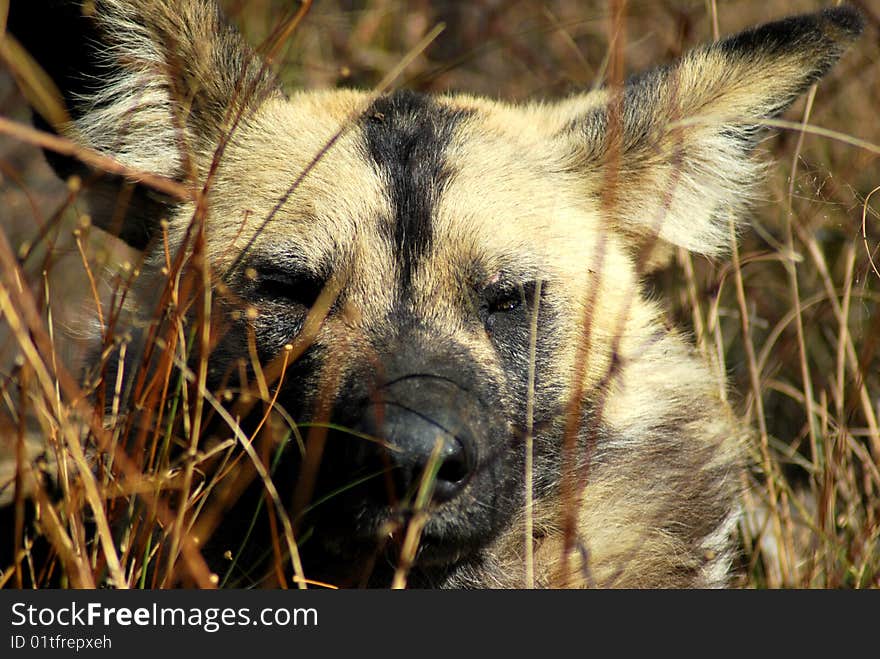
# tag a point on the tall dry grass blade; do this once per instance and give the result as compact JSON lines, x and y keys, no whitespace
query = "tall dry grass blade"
{"x":776,"y":501}
{"x":530,"y":444}
{"x":419,"y":518}
{"x":92,"y":158}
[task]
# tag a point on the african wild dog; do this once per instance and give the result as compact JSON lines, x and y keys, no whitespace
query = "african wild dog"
{"x":457,"y":279}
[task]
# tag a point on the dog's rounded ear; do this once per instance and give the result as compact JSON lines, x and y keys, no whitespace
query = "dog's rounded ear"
{"x":675,"y":143}
{"x":153,"y":84}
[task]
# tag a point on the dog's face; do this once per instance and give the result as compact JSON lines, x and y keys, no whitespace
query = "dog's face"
{"x":430,"y":270}
{"x":450,"y":285}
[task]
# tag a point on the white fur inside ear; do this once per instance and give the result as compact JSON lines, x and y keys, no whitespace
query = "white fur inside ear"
{"x":690,"y":199}
{"x":132,"y":118}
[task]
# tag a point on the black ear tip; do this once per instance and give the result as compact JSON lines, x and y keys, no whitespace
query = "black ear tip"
{"x":846,"y":19}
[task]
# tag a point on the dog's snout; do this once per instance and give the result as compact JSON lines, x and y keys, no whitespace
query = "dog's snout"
{"x":422,"y":447}
{"x":428,"y":427}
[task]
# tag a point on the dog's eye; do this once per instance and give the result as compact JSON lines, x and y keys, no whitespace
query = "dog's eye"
{"x":298,"y":288}
{"x":501,"y":297}
{"x":505,"y":301}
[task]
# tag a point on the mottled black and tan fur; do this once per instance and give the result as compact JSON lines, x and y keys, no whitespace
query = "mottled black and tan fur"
{"x":441,"y":224}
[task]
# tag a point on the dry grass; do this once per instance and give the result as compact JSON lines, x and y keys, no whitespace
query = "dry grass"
{"x":791,"y":319}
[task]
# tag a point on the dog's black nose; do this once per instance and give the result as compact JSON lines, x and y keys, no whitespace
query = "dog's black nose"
{"x":413,"y":436}
{"x":417,"y":417}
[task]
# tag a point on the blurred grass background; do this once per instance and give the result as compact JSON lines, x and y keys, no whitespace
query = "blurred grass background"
{"x":817,"y":397}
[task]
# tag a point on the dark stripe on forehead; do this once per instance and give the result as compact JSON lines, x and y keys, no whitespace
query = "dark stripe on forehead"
{"x":406,"y":135}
